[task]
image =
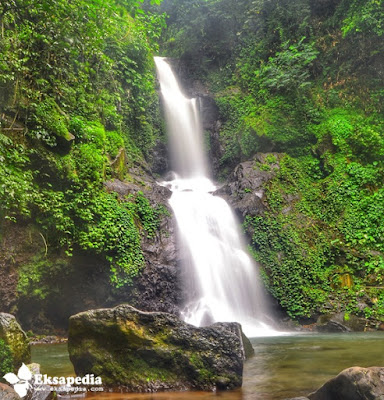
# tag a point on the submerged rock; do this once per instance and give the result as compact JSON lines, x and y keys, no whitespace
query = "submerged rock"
{"x":150,"y":351}
{"x":354,"y":383}
{"x":12,"y":335}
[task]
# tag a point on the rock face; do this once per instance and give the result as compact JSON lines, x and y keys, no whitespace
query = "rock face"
{"x":82,"y":281}
{"x":15,"y":338}
{"x":150,"y":351}
{"x":17,"y":247}
{"x":159,"y":158}
{"x":7,"y":393}
{"x":353,"y":384}
{"x":158,"y":286}
{"x":338,"y":323}
{"x":245,"y":187}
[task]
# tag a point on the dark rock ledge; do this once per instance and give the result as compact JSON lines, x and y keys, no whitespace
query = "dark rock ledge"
{"x":149,"y":351}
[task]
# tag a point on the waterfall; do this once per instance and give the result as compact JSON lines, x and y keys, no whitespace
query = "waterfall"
{"x":220,"y":278}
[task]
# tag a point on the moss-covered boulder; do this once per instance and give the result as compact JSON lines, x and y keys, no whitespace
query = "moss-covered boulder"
{"x":150,"y":351}
{"x":15,"y":339}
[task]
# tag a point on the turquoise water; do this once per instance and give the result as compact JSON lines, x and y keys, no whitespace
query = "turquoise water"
{"x":285,"y":366}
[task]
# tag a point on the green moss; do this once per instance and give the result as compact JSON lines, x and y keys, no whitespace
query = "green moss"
{"x":51,"y":121}
{"x":114,"y":143}
{"x":6,"y":359}
{"x":314,"y":252}
{"x":14,"y":341}
{"x":36,"y":277}
{"x":79,"y":95}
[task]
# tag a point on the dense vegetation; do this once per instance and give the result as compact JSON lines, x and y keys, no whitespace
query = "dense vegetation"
{"x":78,"y":107}
{"x":304,"y":78}
{"x":6,"y":360}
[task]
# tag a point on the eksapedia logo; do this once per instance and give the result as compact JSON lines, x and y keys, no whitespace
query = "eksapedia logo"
{"x":20,"y":382}
{"x":25,"y":380}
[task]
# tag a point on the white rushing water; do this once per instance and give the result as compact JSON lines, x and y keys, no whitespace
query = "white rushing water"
{"x":220,"y":278}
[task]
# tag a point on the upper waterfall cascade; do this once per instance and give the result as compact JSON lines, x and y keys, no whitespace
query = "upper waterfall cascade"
{"x":221,"y":279}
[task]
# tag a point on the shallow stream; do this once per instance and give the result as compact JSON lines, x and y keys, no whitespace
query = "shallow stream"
{"x":283,"y":366}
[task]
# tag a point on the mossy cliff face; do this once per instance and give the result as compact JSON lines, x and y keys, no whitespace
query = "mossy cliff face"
{"x":310,"y":260}
{"x":158,"y":286}
{"x":15,"y":339}
{"x":148,"y":351}
{"x":43,"y":286}
{"x":66,"y":243}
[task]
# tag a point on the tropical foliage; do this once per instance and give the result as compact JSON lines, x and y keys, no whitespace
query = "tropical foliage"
{"x":303,"y":78}
{"x":77,"y":93}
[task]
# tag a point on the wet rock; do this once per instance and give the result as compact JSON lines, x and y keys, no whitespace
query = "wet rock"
{"x":216,"y":149}
{"x":159,"y":158}
{"x":48,"y":340}
{"x":245,"y":187}
{"x":209,"y":111}
{"x":249,"y":351}
{"x":150,"y":351}
{"x":340,"y":323}
{"x":18,"y":245}
{"x":157,"y":288}
{"x":12,"y":335}
{"x":211,"y":124}
{"x":7,"y":393}
{"x":121,"y":188}
{"x":354,"y":383}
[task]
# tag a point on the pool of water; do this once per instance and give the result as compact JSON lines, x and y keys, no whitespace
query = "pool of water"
{"x":283,"y":367}
{"x":53,"y":359}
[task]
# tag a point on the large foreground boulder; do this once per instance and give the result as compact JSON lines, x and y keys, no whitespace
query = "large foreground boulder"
{"x":149,"y":351}
{"x":15,"y":338}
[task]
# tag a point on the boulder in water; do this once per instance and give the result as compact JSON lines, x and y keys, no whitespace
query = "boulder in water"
{"x":354,"y":383}
{"x":13,"y":336}
{"x":149,"y":351}
{"x":340,"y":323}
